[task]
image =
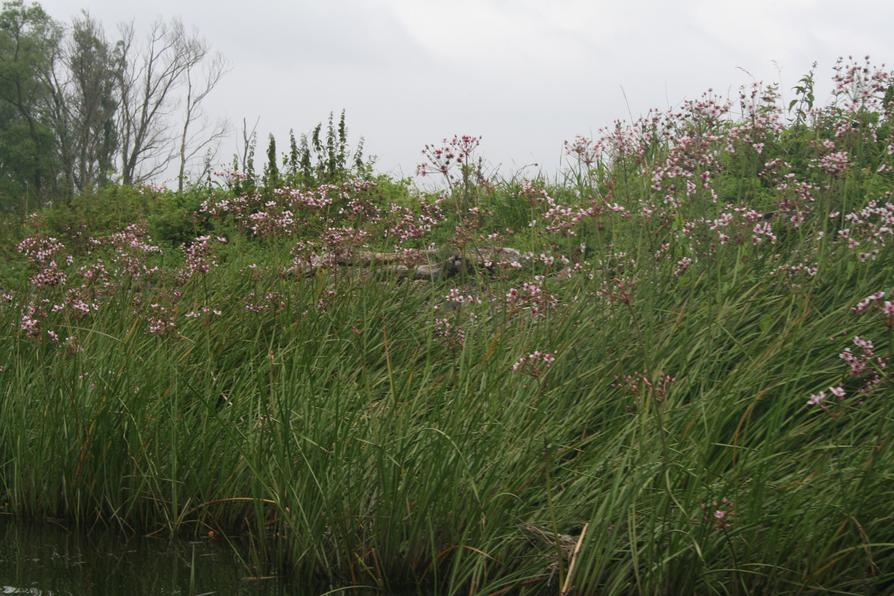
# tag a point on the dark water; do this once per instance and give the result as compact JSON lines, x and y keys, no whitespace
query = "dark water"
{"x":47,"y":560}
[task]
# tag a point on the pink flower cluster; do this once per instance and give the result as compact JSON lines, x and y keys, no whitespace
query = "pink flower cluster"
{"x":885,"y":307}
{"x":531,"y":297}
{"x":682,"y":265}
{"x":638,"y":382}
{"x":455,"y":296}
{"x":586,"y":152}
{"x":404,"y":224}
{"x":131,"y":249}
{"x":796,"y":271}
{"x":42,"y":253}
{"x":720,"y":514}
{"x":271,"y":222}
{"x":761,"y":232}
{"x":161,"y":319}
{"x":534,"y":364}
{"x":863,"y":362}
{"x":871,"y":228}
{"x":205,"y":311}
{"x":455,"y":153}
{"x":283,"y":214}
{"x":49,"y":275}
{"x":561,"y":218}
{"x":40,"y":250}
{"x":833,"y":164}
{"x":873,"y":298}
{"x":817,"y":399}
{"x":199,"y":257}
{"x":454,"y":334}
{"x":30,"y":321}
{"x":272,"y":301}
{"x":861,"y":85}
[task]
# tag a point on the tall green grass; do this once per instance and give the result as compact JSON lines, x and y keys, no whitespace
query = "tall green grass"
{"x":350,"y":443}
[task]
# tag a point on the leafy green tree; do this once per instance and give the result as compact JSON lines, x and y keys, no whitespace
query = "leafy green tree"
{"x":29,"y":39}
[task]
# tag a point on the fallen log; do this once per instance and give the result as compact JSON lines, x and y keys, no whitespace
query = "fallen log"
{"x":487,"y":259}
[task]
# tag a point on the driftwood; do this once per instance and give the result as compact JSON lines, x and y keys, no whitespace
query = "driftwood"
{"x":564,"y":543}
{"x":564,"y":546}
{"x":480,"y":259}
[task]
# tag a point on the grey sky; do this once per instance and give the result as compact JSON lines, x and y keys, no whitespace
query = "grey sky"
{"x":524,"y":74}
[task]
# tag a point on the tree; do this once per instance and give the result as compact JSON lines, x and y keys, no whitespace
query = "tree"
{"x":148,"y":80}
{"x":92,"y":64}
{"x":244,"y":162}
{"x":207,"y":137}
{"x":28,"y":40}
{"x":83,"y":104}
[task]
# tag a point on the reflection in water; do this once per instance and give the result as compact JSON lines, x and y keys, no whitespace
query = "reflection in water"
{"x":51,"y":561}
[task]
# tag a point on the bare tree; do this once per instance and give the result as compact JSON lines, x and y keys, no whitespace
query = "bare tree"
{"x":58,"y":110}
{"x":149,"y":78}
{"x":205,"y":138}
{"x":248,"y":144}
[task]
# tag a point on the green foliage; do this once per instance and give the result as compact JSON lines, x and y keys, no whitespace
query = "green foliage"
{"x":317,"y":160}
{"x":171,"y":217}
{"x":271,"y":171}
{"x":175,"y":220}
{"x":804,"y":99}
{"x":105,"y":211}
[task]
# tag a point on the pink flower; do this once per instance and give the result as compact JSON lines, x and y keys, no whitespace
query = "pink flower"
{"x":535,"y":363}
{"x":817,"y":398}
{"x":864,"y":304}
{"x":682,"y":265}
{"x":457,"y":297}
{"x":864,"y":344}
{"x":722,"y":515}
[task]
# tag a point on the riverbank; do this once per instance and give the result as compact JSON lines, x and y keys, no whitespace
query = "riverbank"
{"x":676,"y":380}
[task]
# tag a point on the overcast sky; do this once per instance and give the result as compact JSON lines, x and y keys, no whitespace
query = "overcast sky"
{"x":524,"y":74}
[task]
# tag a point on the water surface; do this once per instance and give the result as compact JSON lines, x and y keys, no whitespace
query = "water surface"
{"x":50,"y":560}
